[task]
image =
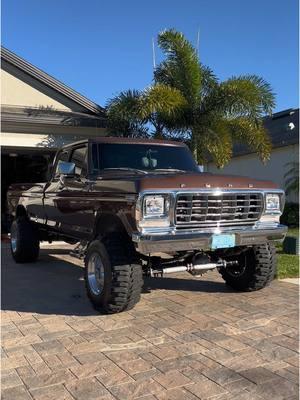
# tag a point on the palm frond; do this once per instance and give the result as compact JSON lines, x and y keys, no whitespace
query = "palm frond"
{"x":161,"y":99}
{"x":209,"y":81}
{"x":293,"y":169}
{"x":132,"y":109}
{"x":212,"y":140}
{"x":253,"y":134}
{"x":292,"y":177}
{"x":247,"y":96}
{"x":292,"y":186}
{"x":165,"y":73}
{"x":123,"y":112}
{"x":181,"y":66}
{"x":125,"y":105}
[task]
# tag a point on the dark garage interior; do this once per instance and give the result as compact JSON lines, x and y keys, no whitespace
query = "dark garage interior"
{"x":22,"y":166}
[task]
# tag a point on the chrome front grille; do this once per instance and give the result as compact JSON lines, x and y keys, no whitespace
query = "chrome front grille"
{"x":225,"y":209}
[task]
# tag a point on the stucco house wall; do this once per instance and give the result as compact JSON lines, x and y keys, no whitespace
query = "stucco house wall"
{"x":250,"y":165}
{"x":15,"y":92}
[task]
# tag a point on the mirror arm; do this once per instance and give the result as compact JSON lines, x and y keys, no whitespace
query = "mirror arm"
{"x":65,"y":177}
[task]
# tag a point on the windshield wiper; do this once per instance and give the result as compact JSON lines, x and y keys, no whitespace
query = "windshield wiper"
{"x":169,"y":169}
{"x":126,"y":169}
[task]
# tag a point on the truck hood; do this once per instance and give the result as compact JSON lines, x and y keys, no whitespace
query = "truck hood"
{"x":202,"y":181}
{"x":185,"y":181}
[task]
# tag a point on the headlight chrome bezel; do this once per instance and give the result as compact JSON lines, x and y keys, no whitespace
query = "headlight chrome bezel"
{"x":155,"y":220}
{"x":272,"y":202}
{"x":278,"y":197}
{"x":162,"y":201}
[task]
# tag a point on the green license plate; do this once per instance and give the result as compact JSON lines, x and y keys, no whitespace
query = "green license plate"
{"x":222,"y":241}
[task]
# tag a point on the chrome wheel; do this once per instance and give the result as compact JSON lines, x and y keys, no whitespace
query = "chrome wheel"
{"x":13,"y":239}
{"x":95,"y":274}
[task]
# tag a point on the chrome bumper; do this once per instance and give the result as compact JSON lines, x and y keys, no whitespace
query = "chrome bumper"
{"x":182,"y":241}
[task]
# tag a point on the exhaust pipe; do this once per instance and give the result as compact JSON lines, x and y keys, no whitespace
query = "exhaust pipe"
{"x":189,"y":268}
{"x":193,"y":268}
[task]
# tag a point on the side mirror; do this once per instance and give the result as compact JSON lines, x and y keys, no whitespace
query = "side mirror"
{"x":67,"y":169}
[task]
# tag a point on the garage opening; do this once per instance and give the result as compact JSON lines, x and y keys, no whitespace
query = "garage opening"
{"x":22,"y":166}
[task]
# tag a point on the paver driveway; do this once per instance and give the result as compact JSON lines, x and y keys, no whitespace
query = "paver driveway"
{"x":187,"y":339}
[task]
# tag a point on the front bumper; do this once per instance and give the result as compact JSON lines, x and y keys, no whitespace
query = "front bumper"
{"x":183,"y":241}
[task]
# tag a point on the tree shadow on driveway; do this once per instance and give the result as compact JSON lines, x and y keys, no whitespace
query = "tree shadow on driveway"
{"x":54,"y":285}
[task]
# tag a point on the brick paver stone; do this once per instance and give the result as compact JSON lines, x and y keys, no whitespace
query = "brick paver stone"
{"x":205,"y":388}
{"x":15,"y":393}
{"x":134,"y":390}
{"x":172,"y":379}
{"x":10,"y":378}
{"x":88,"y":389}
{"x":56,"y":392}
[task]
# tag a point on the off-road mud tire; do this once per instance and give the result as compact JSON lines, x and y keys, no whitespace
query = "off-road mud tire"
{"x":259,"y":271}
{"x":26,"y":247}
{"x":123,"y":277}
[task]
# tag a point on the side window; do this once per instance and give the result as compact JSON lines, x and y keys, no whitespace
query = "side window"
{"x":95,"y":158}
{"x":62,"y":156}
{"x":79,"y":158}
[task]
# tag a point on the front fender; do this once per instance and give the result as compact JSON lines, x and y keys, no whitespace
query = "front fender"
{"x":121,"y":221}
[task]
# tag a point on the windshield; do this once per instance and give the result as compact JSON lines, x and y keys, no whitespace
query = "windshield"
{"x":142,"y":157}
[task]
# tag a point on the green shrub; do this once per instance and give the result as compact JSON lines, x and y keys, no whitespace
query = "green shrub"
{"x":290,"y":216}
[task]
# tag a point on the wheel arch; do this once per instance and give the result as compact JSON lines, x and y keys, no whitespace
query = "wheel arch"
{"x":109,"y":223}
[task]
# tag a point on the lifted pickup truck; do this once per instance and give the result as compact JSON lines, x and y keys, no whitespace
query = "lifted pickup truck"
{"x":142,"y":207}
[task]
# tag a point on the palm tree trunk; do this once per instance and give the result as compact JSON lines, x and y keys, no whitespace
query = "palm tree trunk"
{"x":158,"y":129}
{"x":194,"y":147}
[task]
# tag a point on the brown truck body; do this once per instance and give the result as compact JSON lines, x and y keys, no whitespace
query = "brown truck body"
{"x":76,"y":208}
{"x":142,"y":207}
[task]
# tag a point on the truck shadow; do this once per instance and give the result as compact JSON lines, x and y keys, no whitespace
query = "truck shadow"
{"x":49,"y":286}
{"x":56,"y":286}
{"x":189,"y":284}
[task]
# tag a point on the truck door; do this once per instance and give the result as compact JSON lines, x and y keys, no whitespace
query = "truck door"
{"x":67,"y":206}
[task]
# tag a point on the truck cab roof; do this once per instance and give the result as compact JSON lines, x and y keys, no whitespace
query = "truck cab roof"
{"x":122,"y":140}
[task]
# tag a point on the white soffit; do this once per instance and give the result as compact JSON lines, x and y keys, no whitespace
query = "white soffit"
{"x":21,"y":140}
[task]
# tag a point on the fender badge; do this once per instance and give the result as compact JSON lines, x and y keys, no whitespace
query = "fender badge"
{"x":182,"y":185}
{"x":208,"y":185}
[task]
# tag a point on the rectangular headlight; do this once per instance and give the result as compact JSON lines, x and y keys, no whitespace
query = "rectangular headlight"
{"x":272,"y":202}
{"x":155,"y":206}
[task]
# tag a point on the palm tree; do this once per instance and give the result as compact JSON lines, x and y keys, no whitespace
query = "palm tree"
{"x":208,"y":114}
{"x":292,"y":178}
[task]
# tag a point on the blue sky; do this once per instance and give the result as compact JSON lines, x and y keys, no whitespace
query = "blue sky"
{"x":101,"y":47}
